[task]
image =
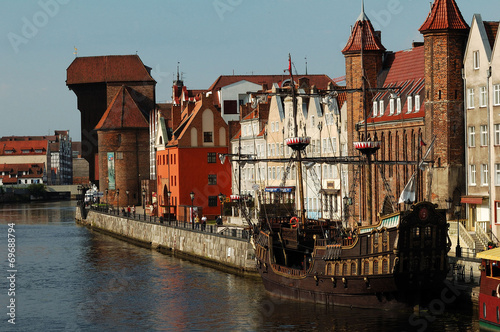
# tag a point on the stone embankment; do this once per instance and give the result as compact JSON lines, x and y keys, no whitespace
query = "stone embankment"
{"x":228,"y":253}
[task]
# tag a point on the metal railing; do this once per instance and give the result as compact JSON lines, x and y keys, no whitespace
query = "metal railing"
{"x":481,"y":227}
{"x":236,"y":233}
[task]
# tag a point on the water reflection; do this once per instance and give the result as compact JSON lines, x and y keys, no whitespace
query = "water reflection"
{"x":75,"y":279}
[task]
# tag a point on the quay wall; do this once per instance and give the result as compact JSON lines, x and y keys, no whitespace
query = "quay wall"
{"x":234,"y":255}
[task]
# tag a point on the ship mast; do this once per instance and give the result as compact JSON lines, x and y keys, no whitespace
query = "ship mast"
{"x":302,"y":211}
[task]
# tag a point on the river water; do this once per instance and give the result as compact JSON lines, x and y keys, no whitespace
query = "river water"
{"x":69,"y":278}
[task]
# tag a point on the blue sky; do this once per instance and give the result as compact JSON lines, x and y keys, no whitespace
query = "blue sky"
{"x":208,"y":37}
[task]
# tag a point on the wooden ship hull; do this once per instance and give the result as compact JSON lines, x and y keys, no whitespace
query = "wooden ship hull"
{"x":489,"y":292}
{"x":402,"y":260}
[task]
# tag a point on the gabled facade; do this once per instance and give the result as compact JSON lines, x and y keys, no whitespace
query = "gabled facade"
{"x":482,"y":86}
{"x":189,"y":162}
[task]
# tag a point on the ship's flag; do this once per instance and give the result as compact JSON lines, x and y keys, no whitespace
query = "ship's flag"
{"x":289,"y":63}
{"x":408,"y":193}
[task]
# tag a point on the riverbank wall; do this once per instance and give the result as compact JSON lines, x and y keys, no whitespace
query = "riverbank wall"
{"x":235,"y":255}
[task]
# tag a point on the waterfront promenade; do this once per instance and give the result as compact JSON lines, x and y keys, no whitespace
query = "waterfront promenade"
{"x":223,"y":247}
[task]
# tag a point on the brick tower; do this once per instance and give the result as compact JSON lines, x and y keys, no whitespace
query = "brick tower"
{"x":445,"y":36}
{"x":95,"y":81}
{"x":363,"y":58}
{"x":123,"y":135}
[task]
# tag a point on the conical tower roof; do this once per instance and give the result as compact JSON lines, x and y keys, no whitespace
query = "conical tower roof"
{"x":123,"y":112}
{"x":363,"y":35}
{"x":444,"y":15}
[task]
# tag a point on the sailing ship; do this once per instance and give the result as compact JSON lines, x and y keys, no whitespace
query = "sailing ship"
{"x":401,"y":259}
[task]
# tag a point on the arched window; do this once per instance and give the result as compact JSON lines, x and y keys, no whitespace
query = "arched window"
{"x":329,"y":269}
{"x":344,"y":269}
{"x":366,"y":267}
{"x":353,"y":269}
{"x":385,"y":266}
{"x":337,"y":269}
{"x":375,"y":267}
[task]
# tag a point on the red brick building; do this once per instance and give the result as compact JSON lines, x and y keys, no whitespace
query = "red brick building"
{"x":187,"y":161}
{"x":96,"y":81}
{"x":123,"y":136}
{"x":426,"y":101}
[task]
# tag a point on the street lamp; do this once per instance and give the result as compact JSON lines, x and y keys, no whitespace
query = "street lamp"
{"x":168,"y":197}
{"x":118,"y":200}
{"x":191,"y":194}
{"x":221,"y":199}
{"x":127,"y":192}
{"x":106,"y":195}
{"x":458,"y":250}
{"x":144,"y":202}
{"x":458,"y":207}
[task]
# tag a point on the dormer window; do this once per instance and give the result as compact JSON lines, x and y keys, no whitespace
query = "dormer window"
{"x":382,"y":108}
{"x":375,"y":108}
{"x":25,"y":151}
{"x":410,"y":104}
{"x":391,"y":106}
{"x":398,"y":106}
{"x":417,"y":103}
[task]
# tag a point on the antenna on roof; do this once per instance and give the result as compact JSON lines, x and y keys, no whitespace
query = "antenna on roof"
{"x":178,"y":63}
{"x":306,"y":63}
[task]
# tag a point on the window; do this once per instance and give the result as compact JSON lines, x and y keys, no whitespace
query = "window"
{"x":211,"y":158}
{"x":475,"y":58}
{"x":496,"y":94}
{"x":472,"y":137}
{"x":470,"y":98}
{"x":207,"y":137}
{"x":212,"y":179}
{"x":483,"y":97}
{"x":381,"y":108}
{"x":312,"y":121}
{"x":212,"y":200}
{"x":398,"y":106}
{"x":391,"y":106}
{"x":25,"y":151}
{"x":497,"y":134}
{"x":417,"y":103}
{"x":375,"y":108}
{"x":484,"y":174}
{"x":484,"y":135}
{"x":497,"y":174}
{"x":410,"y":104}
{"x":375,"y":267}
{"x":472,"y":175}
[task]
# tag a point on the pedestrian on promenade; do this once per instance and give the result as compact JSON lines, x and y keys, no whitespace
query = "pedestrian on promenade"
{"x":197,"y":222}
{"x":203,"y":221}
{"x":133,"y":210}
{"x":128,"y":211}
{"x":123,"y":211}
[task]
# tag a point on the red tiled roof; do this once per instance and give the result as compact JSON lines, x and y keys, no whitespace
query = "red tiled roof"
{"x":405,"y":65}
{"x":321,"y":81}
{"x":122,"y":112}
{"x":444,"y":15}
{"x":17,"y":147}
{"x":491,"y":30}
{"x":109,"y":68}
{"x":363,"y":31}
{"x":35,"y":170}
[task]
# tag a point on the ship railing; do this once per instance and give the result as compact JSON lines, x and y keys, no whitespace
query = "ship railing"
{"x":288,"y":270}
{"x":229,"y":232}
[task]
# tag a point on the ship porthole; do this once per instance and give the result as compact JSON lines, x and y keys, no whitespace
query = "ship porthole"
{"x":484,"y":309}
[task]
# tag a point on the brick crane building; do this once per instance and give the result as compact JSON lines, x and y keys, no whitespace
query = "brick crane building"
{"x":426,"y":101}
{"x":96,"y":81}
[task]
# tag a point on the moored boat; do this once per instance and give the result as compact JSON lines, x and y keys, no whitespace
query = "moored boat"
{"x":489,"y":293}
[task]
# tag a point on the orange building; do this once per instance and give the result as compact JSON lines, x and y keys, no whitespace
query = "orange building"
{"x":187,"y":161}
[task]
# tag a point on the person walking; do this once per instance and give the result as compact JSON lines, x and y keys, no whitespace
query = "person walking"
{"x":203,"y":222}
{"x":133,"y":211}
{"x":197,"y":221}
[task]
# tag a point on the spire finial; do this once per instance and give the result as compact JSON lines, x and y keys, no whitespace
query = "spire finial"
{"x":362,"y":16}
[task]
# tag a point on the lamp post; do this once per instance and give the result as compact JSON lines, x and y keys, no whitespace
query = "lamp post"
{"x":118,"y":200}
{"x":168,"y":197}
{"x":127,"y":192}
{"x":458,"y":250}
{"x":458,"y":207}
{"x":191,"y":194}
{"x":144,"y":202}
{"x":221,"y":199}
{"x":106,"y":191}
